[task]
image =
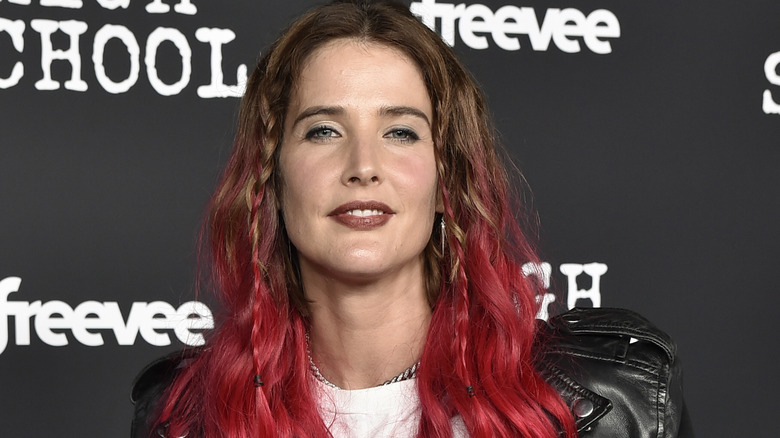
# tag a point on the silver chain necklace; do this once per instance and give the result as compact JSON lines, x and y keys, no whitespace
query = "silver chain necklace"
{"x":407,"y":374}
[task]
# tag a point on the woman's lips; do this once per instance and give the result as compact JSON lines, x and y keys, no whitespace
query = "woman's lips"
{"x":362,"y":215}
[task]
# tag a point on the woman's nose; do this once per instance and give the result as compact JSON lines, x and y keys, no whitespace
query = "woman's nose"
{"x":363,"y":163}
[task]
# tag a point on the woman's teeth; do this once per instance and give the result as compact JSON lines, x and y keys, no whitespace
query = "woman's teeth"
{"x":364,"y":213}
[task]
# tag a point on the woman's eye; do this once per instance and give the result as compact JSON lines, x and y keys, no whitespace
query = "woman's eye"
{"x":402,"y":134}
{"x":321,"y":132}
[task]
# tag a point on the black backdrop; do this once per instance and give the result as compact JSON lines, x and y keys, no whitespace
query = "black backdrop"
{"x":657,"y":160}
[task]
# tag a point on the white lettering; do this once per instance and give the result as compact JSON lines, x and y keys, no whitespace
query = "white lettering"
{"x":52,"y":319}
{"x":8,"y":286}
{"x":126,"y":333}
{"x":102,"y":37}
{"x":476,"y":18}
{"x":180,"y":41}
{"x":602,"y":24}
{"x":73,"y":28}
{"x":157,"y":7}
{"x":217,"y":88}
{"x":595,"y":271}
{"x":544,"y":302}
{"x":183,"y":7}
{"x":73,"y":4}
{"x":540,"y":36}
{"x":46,"y":321}
{"x":570,"y":24}
{"x":542,"y":271}
{"x":113,"y":4}
{"x":22,"y":314}
{"x":83,"y":322}
{"x":157,"y":318}
{"x":565,"y":27}
{"x":503,"y":26}
{"x":122,"y":82}
{"x":770,"y":70}
{"x":191,"y":318}
{"x":16,"y":30}
{"x":428,"y":10}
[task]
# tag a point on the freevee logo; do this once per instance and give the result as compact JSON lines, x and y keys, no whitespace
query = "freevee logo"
{"x":53,"y":317}
{"x":564,"y":27}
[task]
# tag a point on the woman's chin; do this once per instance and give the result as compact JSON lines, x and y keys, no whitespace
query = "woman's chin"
{"x":360,"y":270}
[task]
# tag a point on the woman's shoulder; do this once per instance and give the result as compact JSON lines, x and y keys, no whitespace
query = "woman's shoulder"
{"x":149,"y":386}
{"x":619,"y":373}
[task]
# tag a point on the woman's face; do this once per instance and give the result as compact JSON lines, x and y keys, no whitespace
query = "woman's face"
{"x":359,"y":185}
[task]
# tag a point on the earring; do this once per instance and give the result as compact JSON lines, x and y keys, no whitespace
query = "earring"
{"x":443,"y":234}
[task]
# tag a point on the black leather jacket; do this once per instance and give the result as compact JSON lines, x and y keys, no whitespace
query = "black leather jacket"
{"x":618,"y":373}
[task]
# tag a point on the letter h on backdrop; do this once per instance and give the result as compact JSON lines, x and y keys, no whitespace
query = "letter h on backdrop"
{"x":543,"y":271}
{"x":595,"y":271}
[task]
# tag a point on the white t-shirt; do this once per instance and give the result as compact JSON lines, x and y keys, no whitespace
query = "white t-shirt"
{"x":385,"y":411}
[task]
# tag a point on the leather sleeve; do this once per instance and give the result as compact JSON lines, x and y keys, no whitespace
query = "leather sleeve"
{"x":618,"y":372}
{"x":148,"y":389}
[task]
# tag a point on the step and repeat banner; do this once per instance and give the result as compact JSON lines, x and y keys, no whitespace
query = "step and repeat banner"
{"x":648,"y":133}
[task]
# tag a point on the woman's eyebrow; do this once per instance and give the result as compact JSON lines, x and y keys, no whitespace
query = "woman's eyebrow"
{"x":317,"y":110}
{"x":385,"y":111}
{"x":403,"y":111}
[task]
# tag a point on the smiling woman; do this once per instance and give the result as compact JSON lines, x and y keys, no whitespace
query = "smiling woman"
{"x":358,"y":195}
{"x":370,"y":263}
{"x":363,"y":163}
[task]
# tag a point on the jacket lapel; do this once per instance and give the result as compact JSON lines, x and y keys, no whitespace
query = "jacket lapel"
{"x":586,"y":406}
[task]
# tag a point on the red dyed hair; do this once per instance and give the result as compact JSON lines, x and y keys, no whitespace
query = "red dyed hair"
{"x":482,"y":331}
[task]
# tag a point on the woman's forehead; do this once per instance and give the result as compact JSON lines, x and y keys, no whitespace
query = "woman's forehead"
{"x":355,"y":46}
{"x":359,"y":72}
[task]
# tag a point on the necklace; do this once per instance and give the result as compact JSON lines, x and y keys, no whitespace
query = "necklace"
{"x":407,"y":374}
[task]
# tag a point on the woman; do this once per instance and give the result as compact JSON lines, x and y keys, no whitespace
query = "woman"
{"x":369,"y":263}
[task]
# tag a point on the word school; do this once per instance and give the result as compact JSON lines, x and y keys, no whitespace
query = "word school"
{"x":116,"y":82}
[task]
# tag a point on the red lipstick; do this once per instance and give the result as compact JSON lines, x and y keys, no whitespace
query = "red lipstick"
{"x":362,"y":215}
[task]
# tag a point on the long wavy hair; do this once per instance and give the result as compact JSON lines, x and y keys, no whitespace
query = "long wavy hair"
{"x":253,"y":378}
